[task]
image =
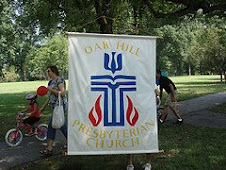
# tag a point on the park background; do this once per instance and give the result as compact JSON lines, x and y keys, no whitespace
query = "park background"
{"x":191,"y":49}
{"x":191,"y":33}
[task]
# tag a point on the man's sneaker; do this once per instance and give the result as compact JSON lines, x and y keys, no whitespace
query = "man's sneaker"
{"x":130,"y":167}
{"x":147,"y":166}
{"x":179,"y":121}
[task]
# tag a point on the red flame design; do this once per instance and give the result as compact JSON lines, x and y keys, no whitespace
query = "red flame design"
{"x":98,"y":111}
{"x":129,"y":112}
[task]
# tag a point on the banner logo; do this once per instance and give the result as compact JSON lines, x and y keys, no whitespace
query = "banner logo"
{"x":113,"y":87}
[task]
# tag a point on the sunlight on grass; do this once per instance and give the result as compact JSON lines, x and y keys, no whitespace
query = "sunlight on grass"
{"x":195,"y":86}
{"x":21,"y":87}
{"x":186,"y":147}
{"x":13,"y":94}
{"x":199,"y":78}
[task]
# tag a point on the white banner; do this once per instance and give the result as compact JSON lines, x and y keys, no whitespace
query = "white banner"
{"x":112,"y":104}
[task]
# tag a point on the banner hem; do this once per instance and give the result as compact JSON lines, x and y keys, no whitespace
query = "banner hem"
{"x":113,"y":152}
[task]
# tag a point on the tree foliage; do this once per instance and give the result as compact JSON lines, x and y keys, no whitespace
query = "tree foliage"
{"x":192,"y":47}
{"x":214,"y":50}
{"x":54,"y":52}
{"x":32,"y":32}
{"x":6,"y":35}
{"x":67,"y":14}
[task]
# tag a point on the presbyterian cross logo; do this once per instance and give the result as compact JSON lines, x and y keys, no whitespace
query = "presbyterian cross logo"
{"x":113,"y":87}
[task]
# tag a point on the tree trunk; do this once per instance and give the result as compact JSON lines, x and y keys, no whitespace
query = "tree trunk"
{"x":105,"y":23}
{"x":44,"y":73}
{"x":135,"y":16}
{"x":225,"y":77}
{"x":25,"y":75}
{"x":221,"y":77}
{"x":189,"y":69}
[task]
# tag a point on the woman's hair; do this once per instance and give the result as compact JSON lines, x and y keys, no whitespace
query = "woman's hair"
{"x":159,"y":72}
{"x":54,"y":70}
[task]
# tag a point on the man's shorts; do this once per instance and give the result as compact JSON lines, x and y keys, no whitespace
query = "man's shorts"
{"x":169,"y":101}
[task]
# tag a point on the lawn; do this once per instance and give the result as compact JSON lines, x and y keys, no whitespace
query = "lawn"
{"x":186,"y":147}
{"x":13,"y":95}
{"x":13,"y":100}
{"x":195,"y":86}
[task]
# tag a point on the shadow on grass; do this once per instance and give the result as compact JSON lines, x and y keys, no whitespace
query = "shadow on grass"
{"x":11,"y":105}
{"x":204,"y":87}
{"x":201,"y":82}
{"x":186,"y":147}
{"x":98,"y":162}
{"x":111,"y":162}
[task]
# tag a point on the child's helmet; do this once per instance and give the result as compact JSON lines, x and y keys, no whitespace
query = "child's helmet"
{"x":31,"y":96}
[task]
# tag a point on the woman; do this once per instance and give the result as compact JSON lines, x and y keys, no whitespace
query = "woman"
{"x":55,"y":85}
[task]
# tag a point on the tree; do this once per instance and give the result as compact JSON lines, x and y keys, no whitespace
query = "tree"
{"x":188,"y":35}
{"x":52,"y":52}
{"x":179,"y":8}
{"x":67,"y":14}
{"x":26,"y":22}
{"x":179,"y":50}
{"x":214,"y":50}
{"x":25,"y":35}
{"x":6,"y":35}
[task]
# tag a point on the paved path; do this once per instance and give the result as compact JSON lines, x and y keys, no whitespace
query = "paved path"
{"x":194,"y":112}
{"x":27,"y":151}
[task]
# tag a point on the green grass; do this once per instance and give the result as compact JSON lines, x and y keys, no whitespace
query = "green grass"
{"x":20,"y":87}
{"x":195,"y":86}
{"x":186,"y":147}
{"x":12,"y":95}
{"x":13,"y":100}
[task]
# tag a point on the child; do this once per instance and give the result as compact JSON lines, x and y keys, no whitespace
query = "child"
{"x":33,"y":116}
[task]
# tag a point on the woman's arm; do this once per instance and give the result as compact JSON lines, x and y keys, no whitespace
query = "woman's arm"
{"x":44,"y":105}
{"x":55,"y":92}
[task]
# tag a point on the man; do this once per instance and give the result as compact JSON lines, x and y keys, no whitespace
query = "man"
{"x":147,"y":166}
{"x":170,"y":88}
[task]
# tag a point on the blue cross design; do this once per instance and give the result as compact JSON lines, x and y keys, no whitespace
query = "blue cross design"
{"x":113,"y":84}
